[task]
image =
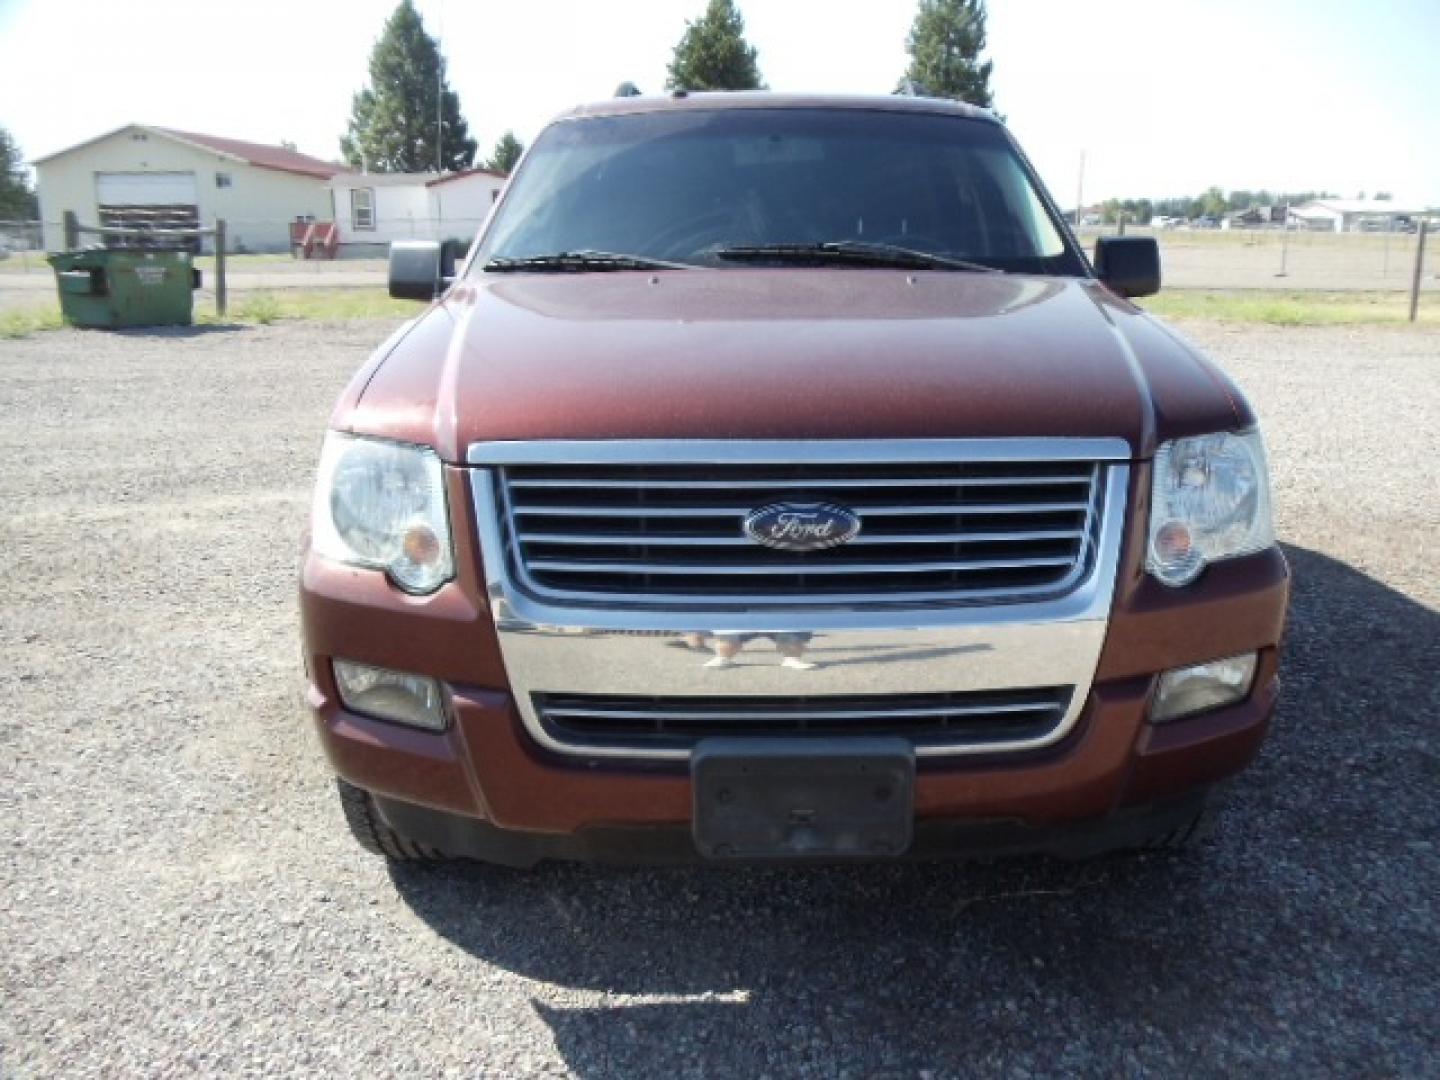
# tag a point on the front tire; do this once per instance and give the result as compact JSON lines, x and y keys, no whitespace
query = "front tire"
{"x":373,"y":834}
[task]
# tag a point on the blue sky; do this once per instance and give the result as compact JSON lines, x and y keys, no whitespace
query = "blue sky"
{"x":1164,"y":96}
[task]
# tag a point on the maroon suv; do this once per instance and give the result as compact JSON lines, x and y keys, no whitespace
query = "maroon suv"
{"x":778,"y":480}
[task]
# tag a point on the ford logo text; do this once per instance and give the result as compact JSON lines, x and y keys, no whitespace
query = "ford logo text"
{"x":802,"y":526}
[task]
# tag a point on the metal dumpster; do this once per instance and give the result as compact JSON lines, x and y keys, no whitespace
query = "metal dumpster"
{"x":110,"y":287}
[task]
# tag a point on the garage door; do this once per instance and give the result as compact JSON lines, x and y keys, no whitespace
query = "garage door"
{"x":155,"y":200}
{"x":146,"y":189}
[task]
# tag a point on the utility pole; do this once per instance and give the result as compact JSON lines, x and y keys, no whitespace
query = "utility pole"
{"x":1080,"y":192}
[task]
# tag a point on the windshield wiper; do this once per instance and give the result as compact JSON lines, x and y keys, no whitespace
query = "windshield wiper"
{"x":578,"y":262}
{"x":854,"y":252}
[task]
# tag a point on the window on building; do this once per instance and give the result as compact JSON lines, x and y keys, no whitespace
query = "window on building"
{"x":223,"y":180}
{"x":362,"y":208}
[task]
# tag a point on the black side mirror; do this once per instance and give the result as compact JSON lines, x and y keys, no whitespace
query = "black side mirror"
{"x":420,"y":269}
{"x":1128,"y":265}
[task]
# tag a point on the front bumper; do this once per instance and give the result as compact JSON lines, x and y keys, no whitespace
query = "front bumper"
{"x":489,"y":769}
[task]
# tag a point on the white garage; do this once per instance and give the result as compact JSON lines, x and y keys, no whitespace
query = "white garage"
{"x":141,"y":173}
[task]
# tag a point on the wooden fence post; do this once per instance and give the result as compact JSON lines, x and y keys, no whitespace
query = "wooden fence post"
{"x":220,"y":297}
{"x":1419,"y":269}
{"x":72,"y":230}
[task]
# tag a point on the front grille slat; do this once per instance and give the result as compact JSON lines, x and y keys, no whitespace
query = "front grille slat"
{"x":994,"y":718}
{"x":701,"y":540}
{"x":739,"y":511}
{"x":673,"y":534}
{"x":588,"y":484}
{"x":772,"y":569}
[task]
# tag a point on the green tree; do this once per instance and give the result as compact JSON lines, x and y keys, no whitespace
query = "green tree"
{"x":945,"y":43}
{"x":17,"y":201}
{"x":506,"y":153}
{"x":713,"y":53}
{"x":393,"y":122}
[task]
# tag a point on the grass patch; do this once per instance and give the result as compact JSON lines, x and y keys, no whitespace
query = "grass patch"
{"x":22,"y":322}
{"x":1292,"y":308}
{"x":250,"y":308}
{"x":272,"y":306}
{"x":260,"y":308}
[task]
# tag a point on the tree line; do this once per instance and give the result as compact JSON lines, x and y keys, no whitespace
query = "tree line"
{"x":1214,"y":202}
{"x":409,"y":120}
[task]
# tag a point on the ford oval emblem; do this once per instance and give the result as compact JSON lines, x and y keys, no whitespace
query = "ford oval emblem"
{"x":802,"y":526}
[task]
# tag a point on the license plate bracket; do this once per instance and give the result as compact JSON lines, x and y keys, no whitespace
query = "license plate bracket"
{"x":759,"y":798}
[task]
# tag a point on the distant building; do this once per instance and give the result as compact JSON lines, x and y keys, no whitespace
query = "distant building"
{"x":1256,"y":217}
{"x":1351,"y":215}
{"x":140,"y":172}
{"x":372,"y":209}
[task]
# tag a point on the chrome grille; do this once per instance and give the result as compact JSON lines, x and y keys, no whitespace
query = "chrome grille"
{"x":672,"y":533}
{"x":980,"y":719}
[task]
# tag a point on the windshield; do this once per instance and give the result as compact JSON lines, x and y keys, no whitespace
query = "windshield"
{"x":710,"y":187}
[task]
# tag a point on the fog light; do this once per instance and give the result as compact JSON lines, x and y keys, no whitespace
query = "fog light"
{"x":391,"y":695}
{"x":1190,"y":690}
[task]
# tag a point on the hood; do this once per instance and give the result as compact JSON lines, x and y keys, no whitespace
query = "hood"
{"x":785,"y":353}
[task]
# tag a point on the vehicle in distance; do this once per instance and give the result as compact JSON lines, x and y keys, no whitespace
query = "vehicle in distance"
{"x":777,"y":480}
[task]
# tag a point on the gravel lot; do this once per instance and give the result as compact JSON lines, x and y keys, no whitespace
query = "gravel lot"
{"x":178,"y":894}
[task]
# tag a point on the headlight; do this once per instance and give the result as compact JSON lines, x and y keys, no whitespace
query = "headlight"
{"x":381,"y":504}
{"x":1210,"y":500}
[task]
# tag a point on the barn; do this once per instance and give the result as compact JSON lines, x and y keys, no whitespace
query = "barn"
{"x":142,"y":172}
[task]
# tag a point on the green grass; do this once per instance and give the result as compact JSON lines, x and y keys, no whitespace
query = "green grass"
{"x":1292,"y":308}
{"x":22,"y":322}
{"x":272,"y":306}
{"x":262,"y":308}
{"x":246,"y":308}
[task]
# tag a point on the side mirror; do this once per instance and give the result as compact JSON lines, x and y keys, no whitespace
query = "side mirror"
{"x":1128,"y":265}
{"x":420,"y":269}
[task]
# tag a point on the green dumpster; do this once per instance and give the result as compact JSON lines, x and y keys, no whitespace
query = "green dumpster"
{"x":111,"y":287}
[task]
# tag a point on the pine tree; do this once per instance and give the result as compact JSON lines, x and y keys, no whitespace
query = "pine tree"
{"x":713,"y":53}
{"x":17,"y":201}
{"x":506,"y":153}
{"x":393,"y":120}
{"x":945,"y":43}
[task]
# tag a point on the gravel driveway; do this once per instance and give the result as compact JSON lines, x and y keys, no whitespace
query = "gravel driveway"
{"x":178,"y":894}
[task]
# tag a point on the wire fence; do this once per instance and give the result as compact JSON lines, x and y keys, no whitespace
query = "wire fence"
{"x":267,"y":250}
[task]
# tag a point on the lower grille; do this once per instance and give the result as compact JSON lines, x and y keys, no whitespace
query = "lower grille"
{"x":991,"y":718}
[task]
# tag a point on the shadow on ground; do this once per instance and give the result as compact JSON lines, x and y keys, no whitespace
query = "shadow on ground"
{"x":180,"y":332}
{"x":1299,"y":937}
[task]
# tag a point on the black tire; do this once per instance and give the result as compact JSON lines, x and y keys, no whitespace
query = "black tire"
{"x":373,"y":834}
